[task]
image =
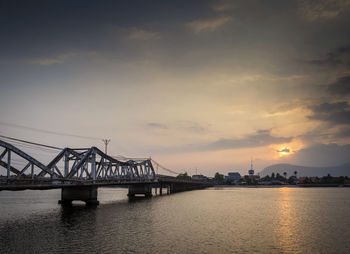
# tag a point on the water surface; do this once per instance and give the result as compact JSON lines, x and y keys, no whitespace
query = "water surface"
{"x":216,"y":220}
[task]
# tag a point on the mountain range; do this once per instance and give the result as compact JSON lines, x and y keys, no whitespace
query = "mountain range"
{"x":341,"y":170}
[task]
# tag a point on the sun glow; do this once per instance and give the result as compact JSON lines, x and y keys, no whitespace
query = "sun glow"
{"x":284,"y":151}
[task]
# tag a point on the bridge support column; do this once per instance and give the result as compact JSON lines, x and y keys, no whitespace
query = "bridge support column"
{"x":171,"y":188}
{"x":168,"y":189}
{"x":143,"y":189}
{"x":88,"y":194}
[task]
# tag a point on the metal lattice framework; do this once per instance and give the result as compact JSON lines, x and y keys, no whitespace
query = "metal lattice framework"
{"x":79,"y":165}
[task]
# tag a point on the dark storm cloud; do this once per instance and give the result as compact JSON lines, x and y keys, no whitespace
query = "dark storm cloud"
{"x":338,"y":57}
{"x":340,"y":86}
{"x":41,"y":28}
{"x":260,"y":138}
{"x":343,"y":133}
{"x":322,"y":155}
{"x":332,"y":113}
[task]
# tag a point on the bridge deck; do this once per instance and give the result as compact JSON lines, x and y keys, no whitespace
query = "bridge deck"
{"x":45,"y":184}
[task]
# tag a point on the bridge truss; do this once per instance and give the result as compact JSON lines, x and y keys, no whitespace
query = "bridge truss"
{"x":84,"y":165}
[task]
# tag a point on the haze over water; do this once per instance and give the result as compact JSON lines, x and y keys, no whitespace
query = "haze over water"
{"x":215,"y":220}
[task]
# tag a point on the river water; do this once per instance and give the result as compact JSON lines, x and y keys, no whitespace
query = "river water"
{"x":215,"y":220}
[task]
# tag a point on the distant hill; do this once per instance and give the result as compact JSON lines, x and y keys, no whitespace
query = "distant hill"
{"x":342,"y":170}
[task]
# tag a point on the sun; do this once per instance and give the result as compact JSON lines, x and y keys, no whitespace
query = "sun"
{"x":284,"y":151}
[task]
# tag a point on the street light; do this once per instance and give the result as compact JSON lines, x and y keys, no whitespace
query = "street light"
{"x":106,"y":141}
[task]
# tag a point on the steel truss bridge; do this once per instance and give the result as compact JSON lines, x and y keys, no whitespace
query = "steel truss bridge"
{"x":79,"y":172}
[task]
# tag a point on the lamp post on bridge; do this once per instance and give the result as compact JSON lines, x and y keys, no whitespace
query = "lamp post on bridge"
{"x":106,"y":141}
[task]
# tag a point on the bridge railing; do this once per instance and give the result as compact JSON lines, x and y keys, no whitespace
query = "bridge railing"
{"x":165,"y":178}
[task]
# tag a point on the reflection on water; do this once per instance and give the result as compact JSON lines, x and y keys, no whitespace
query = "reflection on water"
{"x":287,"y":231}
{"x":220,"y":220}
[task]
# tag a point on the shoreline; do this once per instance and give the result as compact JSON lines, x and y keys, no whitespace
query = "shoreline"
{"x":283,"y":186}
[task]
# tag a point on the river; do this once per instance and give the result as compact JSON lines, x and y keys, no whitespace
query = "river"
{"x":214,"y":220}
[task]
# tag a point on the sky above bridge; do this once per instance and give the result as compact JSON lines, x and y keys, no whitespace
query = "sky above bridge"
{"x":194,"y":84}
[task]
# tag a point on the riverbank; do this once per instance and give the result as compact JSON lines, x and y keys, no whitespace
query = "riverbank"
{"x":281,"y":185}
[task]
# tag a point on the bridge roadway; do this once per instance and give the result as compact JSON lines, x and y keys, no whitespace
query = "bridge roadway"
{"x":85,"y":170}
{"x":87,"y":190}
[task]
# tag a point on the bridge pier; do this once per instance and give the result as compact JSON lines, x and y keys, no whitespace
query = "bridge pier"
{"x":88,"y":194}
{"x":143,"y":189}
{"x":180,"y":187}
{"x":168,"y":189}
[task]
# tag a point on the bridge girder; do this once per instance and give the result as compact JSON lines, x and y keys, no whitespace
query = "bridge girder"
{"x":80,"y":165}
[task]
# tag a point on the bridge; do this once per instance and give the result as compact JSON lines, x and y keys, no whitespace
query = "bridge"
{"x":80,"y":171}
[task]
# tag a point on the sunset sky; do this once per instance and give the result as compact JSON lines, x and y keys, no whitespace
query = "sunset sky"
{"x":194,"y":84}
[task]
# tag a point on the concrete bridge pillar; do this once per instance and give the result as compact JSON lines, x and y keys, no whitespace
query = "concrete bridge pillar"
{"x":88,"y":194}
{"x":143,"y":189}
{"x":168,"y":189}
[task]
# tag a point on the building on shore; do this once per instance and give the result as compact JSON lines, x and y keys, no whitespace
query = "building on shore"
{"x":251,"y":178}
{"x":200,"y":177}
{"x":233,"y":178}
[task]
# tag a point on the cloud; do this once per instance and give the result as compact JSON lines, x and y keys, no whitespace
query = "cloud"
{"x":284,"y":150}
{"x":143,"y":35}
{"x":52,"y":60}
{"x":212,"y":24}
{"x":222,"y":5}
{"x":333,"y":113}
{"x":260,"y":138}
{"x":322,"y":155}
{"x":338,"y":57}
{"x":319,"y":10}
{"x":285,"y":108}
{"x":157,"y":125}
{"x":340,"y":86}
{"x":59,"y":59}
{"x":191,"y":126}
{"x":187,"y":126}
{"x":342,"y":133}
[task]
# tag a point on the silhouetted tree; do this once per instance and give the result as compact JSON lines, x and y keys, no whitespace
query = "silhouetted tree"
{"x":219,"y":178}
{"x":279,"y":177}
{"x":184,"y":176}
{"x":266,"y":178}
{"x":307,"y":180}
{"x":247,"y":180}
{"x":292,"y":180}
